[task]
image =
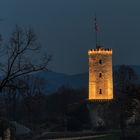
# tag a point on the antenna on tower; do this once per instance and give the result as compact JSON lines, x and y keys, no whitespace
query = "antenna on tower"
{"x":96,"y":32}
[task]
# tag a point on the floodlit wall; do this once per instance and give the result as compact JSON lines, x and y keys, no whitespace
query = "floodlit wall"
{"x":100,"y":74}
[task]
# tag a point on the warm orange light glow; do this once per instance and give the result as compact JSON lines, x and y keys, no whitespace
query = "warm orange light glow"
{"x":100,"y":74}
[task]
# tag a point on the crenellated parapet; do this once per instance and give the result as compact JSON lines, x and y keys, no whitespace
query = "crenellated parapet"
{"x":100,"y":51}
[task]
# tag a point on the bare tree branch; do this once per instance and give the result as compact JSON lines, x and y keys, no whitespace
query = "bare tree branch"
{"x":19,"y":56}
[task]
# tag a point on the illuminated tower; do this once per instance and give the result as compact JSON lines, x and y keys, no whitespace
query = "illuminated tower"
{"x":100,"y":74}
{"x":100,"y":71}
{"x":100,"y":82}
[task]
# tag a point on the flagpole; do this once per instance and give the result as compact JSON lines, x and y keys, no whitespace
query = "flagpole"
{"x":96,"y":39}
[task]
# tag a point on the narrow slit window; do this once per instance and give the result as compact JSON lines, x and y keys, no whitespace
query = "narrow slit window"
{"x":100,"y":61}
{"x":100,"y":75}
{"x":100,"y":92}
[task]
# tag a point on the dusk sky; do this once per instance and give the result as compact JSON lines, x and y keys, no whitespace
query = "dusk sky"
{"x":65,"y":28}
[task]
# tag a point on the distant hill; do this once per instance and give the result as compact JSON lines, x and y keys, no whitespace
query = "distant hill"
{"x":56,"y":80}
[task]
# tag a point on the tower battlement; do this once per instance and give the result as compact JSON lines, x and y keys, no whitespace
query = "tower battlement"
{"x":100,"y":51}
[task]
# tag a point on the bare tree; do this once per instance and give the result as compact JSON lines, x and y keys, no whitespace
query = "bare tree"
{"x":126,"y":79}
{"x":31,"y":91}
{"x":18,"y":57}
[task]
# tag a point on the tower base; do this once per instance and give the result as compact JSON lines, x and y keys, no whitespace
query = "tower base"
{"x":100,"y":113}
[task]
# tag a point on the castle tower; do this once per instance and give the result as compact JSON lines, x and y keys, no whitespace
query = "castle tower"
{"x":100,"y":74}
{"x":100,"y":82}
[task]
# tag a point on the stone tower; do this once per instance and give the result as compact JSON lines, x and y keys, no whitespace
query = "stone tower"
{"x":100,"y":83}
{"x":100,"y":74}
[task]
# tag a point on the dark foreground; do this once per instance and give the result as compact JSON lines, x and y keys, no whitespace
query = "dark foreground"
{"x":83,"y":136}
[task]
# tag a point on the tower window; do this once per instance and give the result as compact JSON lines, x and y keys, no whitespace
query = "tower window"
{"x":100,"y":75}
{"x":100,"y":92}
{"x":100,"y":61}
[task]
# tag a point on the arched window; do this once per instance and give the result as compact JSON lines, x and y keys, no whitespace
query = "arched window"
{"x":100,"y":92}
{"x":100,"y":75}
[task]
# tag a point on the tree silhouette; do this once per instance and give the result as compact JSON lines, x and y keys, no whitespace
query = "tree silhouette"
{"x":18,"y":56}
{"x":126,"y":80}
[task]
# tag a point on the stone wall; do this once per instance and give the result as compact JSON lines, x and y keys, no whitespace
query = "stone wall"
{"x":100,"y":74}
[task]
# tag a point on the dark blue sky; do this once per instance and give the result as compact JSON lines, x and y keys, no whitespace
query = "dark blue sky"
{"x":65,"y":28}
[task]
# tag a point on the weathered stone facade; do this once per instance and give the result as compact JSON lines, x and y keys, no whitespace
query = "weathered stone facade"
{"x":100,"y":74}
